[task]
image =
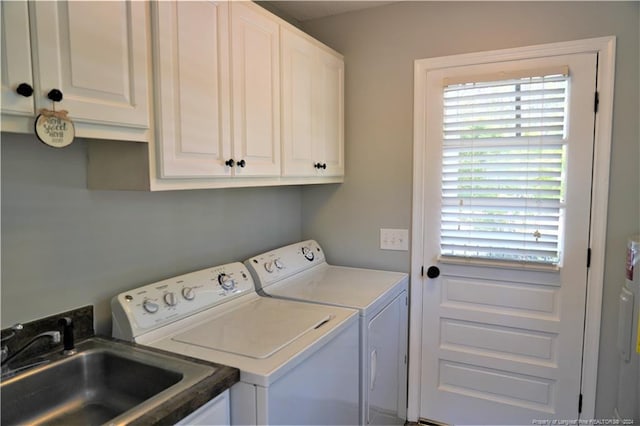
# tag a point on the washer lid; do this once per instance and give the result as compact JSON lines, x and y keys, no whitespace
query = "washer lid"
{"x":257,"y":329}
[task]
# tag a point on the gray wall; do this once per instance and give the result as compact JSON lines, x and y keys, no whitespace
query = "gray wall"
{"x":64,"y":246}
{"x":380,"y":46}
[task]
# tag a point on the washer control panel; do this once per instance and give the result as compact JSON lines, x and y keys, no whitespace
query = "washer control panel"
{"x":166,"y":301}
{"x":278,"y":264}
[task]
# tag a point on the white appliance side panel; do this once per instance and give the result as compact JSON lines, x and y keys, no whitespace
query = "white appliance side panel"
{"x":385,"y":383}
{"x":403,"y":365}
{"x":244,"y":410}
{"x":321,"y":390}
{"x":214,"y":412}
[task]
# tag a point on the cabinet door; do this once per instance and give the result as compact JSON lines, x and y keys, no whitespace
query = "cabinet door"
{"x":191,"y":62}
{"x":255,"y":90}
{"x":330,"y":148}
{"x":16,"y":58}
{"x":386,"y":379}
{"x":96,"y":54}
{"x":312,"y":105}
{"x":300,"y":121}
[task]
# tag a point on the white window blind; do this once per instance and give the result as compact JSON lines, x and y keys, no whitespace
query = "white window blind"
{"x":503,"y":166}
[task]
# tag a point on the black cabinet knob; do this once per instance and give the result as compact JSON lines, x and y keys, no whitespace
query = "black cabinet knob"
{"x":241,"y":163}
{"x":433,"y":272}
{"x":230,"y":163}
{"x":316,"y":165}
{"x":320,"y":165}
{"x":24,"y":89}
{"x":324,"y":165}
{"x":55,"y":95}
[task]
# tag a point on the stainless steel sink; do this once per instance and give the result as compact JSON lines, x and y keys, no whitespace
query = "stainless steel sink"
{"x":105,"y":382}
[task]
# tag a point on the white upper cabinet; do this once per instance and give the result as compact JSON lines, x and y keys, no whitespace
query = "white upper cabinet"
{"x":94,"y":53}
{"x":312,"y":107}
{"x":255,"y":70}
{"x":217,"y":90}
{"x":191,"y":69}
{"x":229,"y":110}
{"x":16,"y":60}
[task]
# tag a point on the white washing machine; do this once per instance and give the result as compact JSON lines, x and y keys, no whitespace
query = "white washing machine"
{"x":298,"y":361}
{"x":300,"y":272}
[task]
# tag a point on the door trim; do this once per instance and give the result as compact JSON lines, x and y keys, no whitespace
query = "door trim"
{"x":605,"y":48}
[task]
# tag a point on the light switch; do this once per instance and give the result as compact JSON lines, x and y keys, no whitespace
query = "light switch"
{"x":394,"y":239}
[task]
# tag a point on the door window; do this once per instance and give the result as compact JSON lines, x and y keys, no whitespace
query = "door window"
{"x":503,"y":162}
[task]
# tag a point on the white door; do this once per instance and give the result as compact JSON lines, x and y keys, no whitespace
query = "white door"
{"x":329,"y":148}
{"x":301,"y":115}
{"x":96,"y":54}
{"x":503,"y":322}
{"x":16,"y":59}
{"x":255,"y":62}
{"x":312,"y":107}
{"x":192,"y":88}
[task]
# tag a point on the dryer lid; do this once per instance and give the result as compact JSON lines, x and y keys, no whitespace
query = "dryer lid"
{"x":340,"y":286}
{"x":257,"y":329}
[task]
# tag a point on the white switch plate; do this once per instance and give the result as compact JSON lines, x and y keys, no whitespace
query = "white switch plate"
{"x":394,"y":239}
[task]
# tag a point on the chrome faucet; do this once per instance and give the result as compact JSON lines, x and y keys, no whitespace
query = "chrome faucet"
{"x":54,"y":335}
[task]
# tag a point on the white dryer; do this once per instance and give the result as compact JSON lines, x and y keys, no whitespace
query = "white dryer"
{"x":300,"y":272}
{"x":298,"y":361}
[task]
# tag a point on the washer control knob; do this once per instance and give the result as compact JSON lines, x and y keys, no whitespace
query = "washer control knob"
{"x":268,"y":266}
{"x":188,"y":293}
{"x":278,"y":263}
{"x":170,"y":299}
{"x":150,"y":306}
{"x":308,"y":253}
{"x":226,"y":282}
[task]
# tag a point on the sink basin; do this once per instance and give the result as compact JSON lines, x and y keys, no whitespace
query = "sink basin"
{"x":105,"y":382}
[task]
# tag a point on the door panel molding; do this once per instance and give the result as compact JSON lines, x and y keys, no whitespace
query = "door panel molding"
{"x":605,"y":48}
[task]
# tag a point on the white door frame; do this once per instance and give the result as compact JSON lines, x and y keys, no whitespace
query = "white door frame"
{"x":605,"y":47}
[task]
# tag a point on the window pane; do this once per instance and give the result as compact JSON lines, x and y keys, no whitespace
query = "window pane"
{"x":503,"y":165}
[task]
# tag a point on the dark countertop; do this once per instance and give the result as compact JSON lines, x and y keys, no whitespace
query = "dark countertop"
{"x":180,"y":406}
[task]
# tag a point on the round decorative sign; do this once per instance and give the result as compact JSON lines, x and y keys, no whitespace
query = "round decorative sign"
{"x":54,"y":128}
